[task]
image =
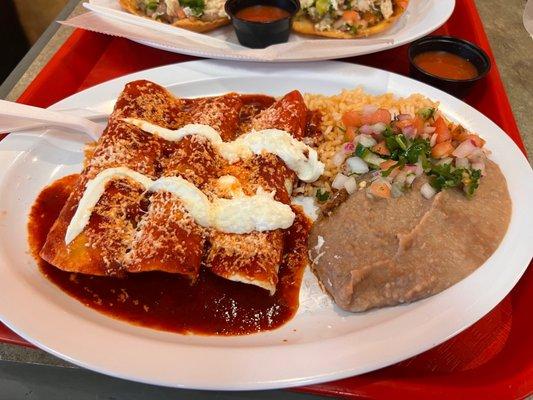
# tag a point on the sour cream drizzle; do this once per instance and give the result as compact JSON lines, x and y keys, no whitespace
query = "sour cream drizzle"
{"x":299,"y":157}
{"x":241,"y":214}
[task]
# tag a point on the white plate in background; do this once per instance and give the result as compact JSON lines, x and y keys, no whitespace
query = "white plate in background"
{"x":421,"y":18}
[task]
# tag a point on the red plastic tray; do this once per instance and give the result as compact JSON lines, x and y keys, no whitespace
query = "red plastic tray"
{"x":492,"y":359}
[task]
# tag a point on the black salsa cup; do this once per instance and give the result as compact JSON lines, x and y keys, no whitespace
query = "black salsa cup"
{"x":259,"y":35}
{"x":460,"y":47}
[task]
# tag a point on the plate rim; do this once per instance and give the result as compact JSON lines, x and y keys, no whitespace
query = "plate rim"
{"x":289,"y":382}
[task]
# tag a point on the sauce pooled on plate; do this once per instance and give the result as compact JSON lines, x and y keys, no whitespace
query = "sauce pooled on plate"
{"x":262,"y":13}
{"x":446,"y":65}
{"x":168,"y":302}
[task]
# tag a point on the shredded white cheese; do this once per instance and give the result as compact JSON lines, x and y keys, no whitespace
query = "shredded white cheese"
{"x":362,"y":5}
{"x":241,"y":214}
{"x":214,"y":9}
{"x":386,"y":8}
{"x":298,"y":156}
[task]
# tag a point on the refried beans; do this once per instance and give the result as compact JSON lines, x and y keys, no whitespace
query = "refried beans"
{"x":370,"y":253}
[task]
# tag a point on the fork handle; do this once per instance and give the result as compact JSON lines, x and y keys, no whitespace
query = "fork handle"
{"x":14,"y":115}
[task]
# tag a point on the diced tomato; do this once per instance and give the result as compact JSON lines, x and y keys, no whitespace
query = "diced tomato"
{"x":460,"y":134}
{"x":461,"y":137}
{"x":352,"y":118}
{"x":418,"y":123}
{"x":181,"y":13}
{"x":457,"y":132}
{"x":350,"y":133}
{"x":404,"y":123}
{"x":380,"y":189}
{"x":402,"y":3}
{"x":351,"y":16}
{"x":381,"y":148}
{"x":380,"y":115}
{"x":385,"y":165}
{"x":442,"y":131}
{"x":476,"y":139}
{"x":442,"y":149}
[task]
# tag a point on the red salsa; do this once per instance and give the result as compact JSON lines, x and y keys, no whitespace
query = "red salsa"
{"x":446,"y":65}
{"x":262,"y":13}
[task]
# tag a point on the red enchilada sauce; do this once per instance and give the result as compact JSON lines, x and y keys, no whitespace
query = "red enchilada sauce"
{"x":446,"y":65}
{"x":212,"y":306}
{"x":262,"y":14}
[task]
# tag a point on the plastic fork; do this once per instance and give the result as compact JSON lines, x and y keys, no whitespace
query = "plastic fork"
{"x":15,"y":117}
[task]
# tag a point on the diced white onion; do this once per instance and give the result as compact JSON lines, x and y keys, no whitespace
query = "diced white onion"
{"x":409,"y":131}
{"x":427,"y":191}
{"x":433,"y":140}
{"x":410,"y":179}
{"x":366,"y":130}
{"x":338,"y":182}
{"x":350,"y":185}
{"x":338,"y":158}
{"x":462,"y":163}
{"x":367,"y":141}
{"x":379,"y":127}
{"x":400,"y":178}
{"x":480,"y":165}
{"x":403,"y":117}
{"x":410,"y":168}
{"x":429,"y":130}
{"x":447,"y":160}
{"x":464,"y":149}
{"x":419,"y":169}
{"x":476,"y":155}
{"x":357,"y":165}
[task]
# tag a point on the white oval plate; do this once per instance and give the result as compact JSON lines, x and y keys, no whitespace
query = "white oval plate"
{"x":321,"y":342}
{"x":421,"y":18}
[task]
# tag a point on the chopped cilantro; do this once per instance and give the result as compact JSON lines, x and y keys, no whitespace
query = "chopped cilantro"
{"x":417,"y":148}
{"x":361,"y":151}
{"x":354,"y":29}
{"x":388,"y":132}
{"x":391,"y":143}
{"x":426,"y":113}
{"x":196,"y":6}
{"x":407,"y":151}
{"x":445,"y":176}
{"x":402,"y":141}
{"x":322,"y":196}
{"x":151,"y":5}
{"x":471,"y":183}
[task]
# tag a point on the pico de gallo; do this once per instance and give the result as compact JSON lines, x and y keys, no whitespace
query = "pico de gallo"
{"x":385,"y":154}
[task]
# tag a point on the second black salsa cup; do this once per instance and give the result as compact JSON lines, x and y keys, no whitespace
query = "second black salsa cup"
{"x":459,"y":47}
{"x":259,"y":35}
